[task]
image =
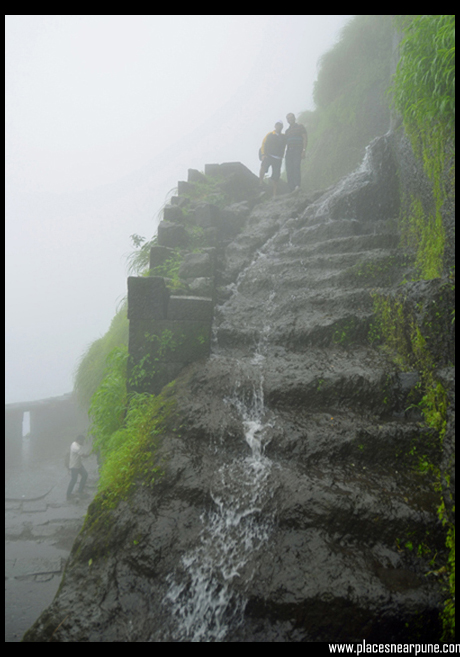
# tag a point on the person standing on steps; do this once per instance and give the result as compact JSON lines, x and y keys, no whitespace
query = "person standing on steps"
{"x":271,"y":154}
{"x":296,"y":143}
{"x":76,"y":467}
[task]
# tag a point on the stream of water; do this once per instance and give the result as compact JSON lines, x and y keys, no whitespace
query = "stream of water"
{"x":209,"y":596}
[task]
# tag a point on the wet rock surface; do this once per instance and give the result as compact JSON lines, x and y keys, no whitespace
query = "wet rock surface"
{"x":291,"y":508}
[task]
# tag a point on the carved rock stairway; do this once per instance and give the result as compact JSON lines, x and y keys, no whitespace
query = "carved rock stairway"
{"x":351,"y":509}
{"x":329,"y":535}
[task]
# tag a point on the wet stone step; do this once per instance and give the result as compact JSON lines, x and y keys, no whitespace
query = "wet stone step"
{"x":351,"y":501}
{"x":330,"y":230}
{"x":353,"y":244}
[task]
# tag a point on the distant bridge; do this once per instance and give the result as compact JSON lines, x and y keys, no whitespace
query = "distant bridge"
{"x":52,"y":422}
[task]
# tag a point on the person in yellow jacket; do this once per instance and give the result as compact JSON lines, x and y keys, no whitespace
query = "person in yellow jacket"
{"x":271,"y":154}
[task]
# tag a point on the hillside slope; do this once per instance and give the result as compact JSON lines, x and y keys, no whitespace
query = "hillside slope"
{"x":291,"y":505}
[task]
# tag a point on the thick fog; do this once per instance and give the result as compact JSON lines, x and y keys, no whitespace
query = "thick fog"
{"x":104,"y":114}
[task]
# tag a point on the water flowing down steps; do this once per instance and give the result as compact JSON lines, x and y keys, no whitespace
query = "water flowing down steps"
{"x":344,"y":500}
{"x":351,"y":501}
{"x":291,"y":507}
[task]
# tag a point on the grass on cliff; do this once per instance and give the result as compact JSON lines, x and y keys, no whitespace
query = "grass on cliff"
{"x":424,"y":84}
{"x":90,"y":370}
{"x":125,"y":429}
{"x":423,"y":91}
{"x":129,"y":452}
{"x":402,"y":339}
{"x":207,"y":190}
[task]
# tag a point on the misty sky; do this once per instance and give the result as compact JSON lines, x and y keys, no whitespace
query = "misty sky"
{"x":104,"y":114}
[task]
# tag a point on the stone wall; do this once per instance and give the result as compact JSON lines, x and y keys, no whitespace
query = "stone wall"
{"x":53,"y":422}
{"x":166,"y":333}
{"x":170,"y":321}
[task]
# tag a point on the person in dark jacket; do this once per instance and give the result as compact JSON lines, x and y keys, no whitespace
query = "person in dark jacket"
{"x":296,"y":145}
{"x":271,"y":153}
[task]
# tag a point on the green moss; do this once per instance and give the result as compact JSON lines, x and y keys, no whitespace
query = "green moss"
{"x":424,"y":93}
{"x":125,"y":429}
{"x":403,"y":340}
{"x":448,"y":614}
{"x":423,"y":233}
{"x":129,"y":453}
{"x":390,"y":331}
{"x":347,"y":331}
{"x":129,"y":460}
{"x":380,"y":271}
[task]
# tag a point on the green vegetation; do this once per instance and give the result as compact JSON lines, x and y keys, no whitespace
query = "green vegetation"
{"x":405,"y":344}
{"x":347,"y":331}
{"x":209,"y":190}
{"x":129,"y":453}
{"x":108,"y":404}
{"x":138,"y":260}
{"x":448,"y":614}
{"x":350,"y":100}
{"x":381,"y":271}
{"x":160,"y":348}
{"x":90,"y":370}
{"x":424,"y":85}
{"x":125,"y":425}
{"x":170,"y":270}
{"x":423,"y":234}
{"x":424,"y":93}
{"x":125,"y":429}
{"x":396,"y":327}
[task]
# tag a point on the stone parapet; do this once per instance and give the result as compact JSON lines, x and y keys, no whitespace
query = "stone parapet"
{"x":165,"y":333}
{"x":171,"y":341}
{"x":147,"y":297}
{"x":170,"y":328}
{"x":197,"y":309}
{"x":172,"y":234}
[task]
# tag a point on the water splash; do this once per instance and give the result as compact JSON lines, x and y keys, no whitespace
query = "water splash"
{"x":208,"y":596}
{"x":321,"y":209}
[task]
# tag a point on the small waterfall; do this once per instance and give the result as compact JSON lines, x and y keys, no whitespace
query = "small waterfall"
{"x":208,"y":596}
{"x":305,"y":543}
{"x":321,"y":209}
{"x":208,"y":593}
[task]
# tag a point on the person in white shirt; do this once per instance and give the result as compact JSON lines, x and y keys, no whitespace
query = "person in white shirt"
{"x":76,"y":467}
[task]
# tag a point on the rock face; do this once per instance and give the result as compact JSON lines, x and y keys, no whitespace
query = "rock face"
{"x":290,"y":508}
